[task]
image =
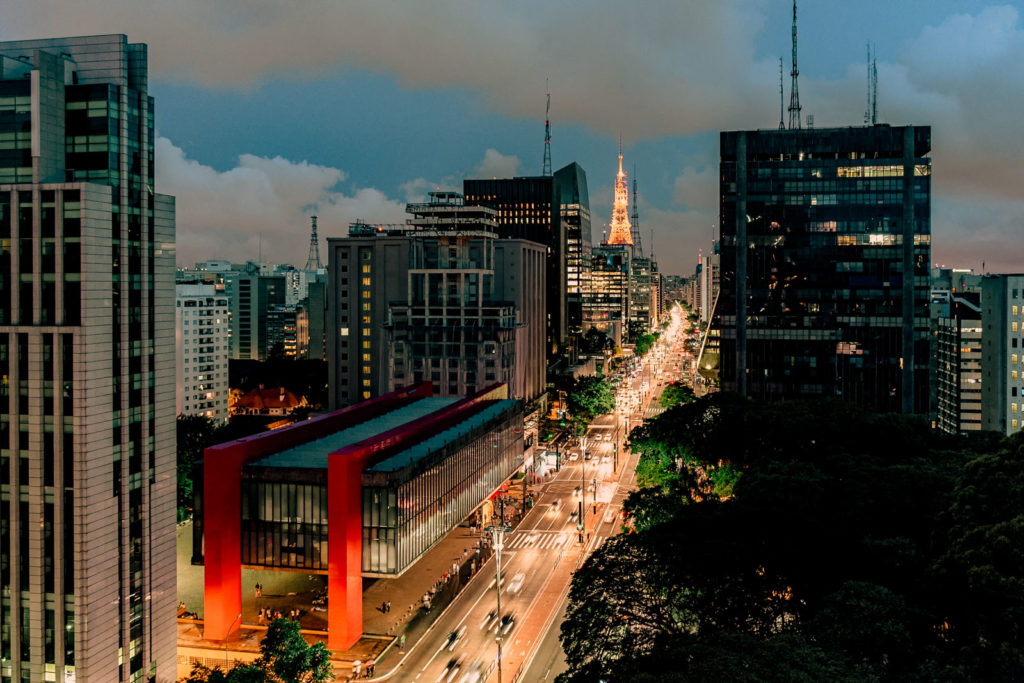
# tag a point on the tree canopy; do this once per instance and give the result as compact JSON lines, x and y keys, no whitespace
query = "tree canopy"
{"x":590,"y":397}
{"x":844,"y":546}
{"x":285,"y":657}
{"x":675,"y":393}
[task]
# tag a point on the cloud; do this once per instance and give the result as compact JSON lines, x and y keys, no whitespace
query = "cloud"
{"x":697,"y":189}
{"x":262,"y":205}
{"x":496,"y":165}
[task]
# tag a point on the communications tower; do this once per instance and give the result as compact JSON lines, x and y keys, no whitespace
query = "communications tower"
{"x":313,"y":260}
{"x":619,"y":229}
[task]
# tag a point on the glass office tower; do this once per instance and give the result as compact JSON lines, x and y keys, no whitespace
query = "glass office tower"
{"x":825,"y":244}
{"x":87,"y":434}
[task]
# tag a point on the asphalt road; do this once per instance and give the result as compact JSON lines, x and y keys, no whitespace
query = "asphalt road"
{"x":538,"y":558}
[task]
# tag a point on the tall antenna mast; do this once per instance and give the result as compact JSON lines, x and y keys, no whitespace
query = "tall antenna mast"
{"x":874,"y":87}
{"x":867,"y":111}
{"x":313,"y":260}
{"x":782,"y":121}
{"x":794,"y":91}
{"x":546,"y":167}
{"x":638,"y":249}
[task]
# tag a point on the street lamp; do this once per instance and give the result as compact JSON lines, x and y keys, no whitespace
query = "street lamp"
{"x":226,"y":636}
{"x":498,"y":541}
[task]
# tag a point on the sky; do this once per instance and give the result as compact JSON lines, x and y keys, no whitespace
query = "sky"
{"x":269,"y":112}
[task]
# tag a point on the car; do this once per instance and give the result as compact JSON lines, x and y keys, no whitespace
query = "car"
{"x":606,"y":459}
{"x":608,"y":436}
{"x":577,"y":492}
{"x":516,"y":584}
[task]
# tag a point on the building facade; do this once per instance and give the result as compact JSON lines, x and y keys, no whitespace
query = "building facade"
{"x":644,"y":295}
{"x":606,"y":301}
{"x":825,"y":244}
{"x":252,"y":296}
{"x":87,"y":453}
{"x":201,"y":342}
{"x":958,"y":377}
{"x":1002,"y":353}
{"x":530,"y":209}
{"x":575,"y":211}
{"x":456,"y":307}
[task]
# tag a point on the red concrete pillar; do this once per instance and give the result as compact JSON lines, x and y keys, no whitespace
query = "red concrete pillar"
{"x":344,"y":549}
{"x":222,"y":597}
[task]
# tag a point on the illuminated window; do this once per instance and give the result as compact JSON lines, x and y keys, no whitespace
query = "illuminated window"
{"x":366,"y":294}
{"x":1013,"y":359}
{"x":366,"y":282}
{"x":1015,"y":309}
{"x":1013,"y":424}
{"x":366,"y":305}
{"x":366,"y":320}
{"x":366,"y":382}
{"x":344,"y":332}
{"x":1013,"y":326}
{"x":366,"y":394}
{"x":366,"y":267}
{"x":366,"y":358}
{"x":366,"y":369}
{"x":366,"y":344}
{"x":1013,"y":407}
{"x":1013,"y":374}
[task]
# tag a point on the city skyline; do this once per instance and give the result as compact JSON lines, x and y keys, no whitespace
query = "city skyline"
{"x":264,"y":120}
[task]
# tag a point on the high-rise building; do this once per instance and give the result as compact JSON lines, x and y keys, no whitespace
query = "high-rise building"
{"x":606,"y":301}
{"x":825,"y":243}
{"x":710,"y":275}
{"x":311,"y":320}
{"x":958,"y":377}
{"x":575,"y":210}
{"x":1002,"y":353}
{"x":201,"y":341}
{"x":87,"y":454}
{"x":643,"y":294}
{"x":252,"y":296}
{"x":530,"y":209}
{"x":434,"y":302}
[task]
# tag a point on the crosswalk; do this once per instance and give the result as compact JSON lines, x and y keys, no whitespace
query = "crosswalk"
{"x":545,"y":540}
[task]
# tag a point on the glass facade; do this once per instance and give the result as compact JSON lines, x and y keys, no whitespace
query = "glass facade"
{"x":284,"y":523}
{"x":826,"y":215}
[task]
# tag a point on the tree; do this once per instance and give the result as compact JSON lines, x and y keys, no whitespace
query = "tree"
{"x":674,"y":394}
{"x":195,"y":433}
{"x":590,"y":397}
{"x":644,"y":342}
{"x":285,"y":657}
{"x":595,"y":341}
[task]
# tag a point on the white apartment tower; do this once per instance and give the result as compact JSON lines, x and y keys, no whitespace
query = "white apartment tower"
{"x":87,"y":434}
{"x":201,"y":342}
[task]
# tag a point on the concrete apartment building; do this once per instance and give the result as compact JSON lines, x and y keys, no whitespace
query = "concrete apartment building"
{"x":87,"y":434}
{"x":435,"y":301}
{"x":1002,"y":353}
{"x":201,"y":342}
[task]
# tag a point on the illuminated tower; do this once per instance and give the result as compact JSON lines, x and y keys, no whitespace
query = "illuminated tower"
{"x":620,"y":230}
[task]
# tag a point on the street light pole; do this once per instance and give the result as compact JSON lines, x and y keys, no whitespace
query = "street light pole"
{"x":228,"y":635}
{"x":498,"y":539}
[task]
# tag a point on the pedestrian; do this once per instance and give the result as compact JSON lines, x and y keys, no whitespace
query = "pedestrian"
{"x":401,"y":643}
{"x":383,"y":606}
{"x":472,"y":567}
{"x":259,"y":620}
{"x":388,"y":605}
{"x":369,"y":668}
{"x":357,"y":668}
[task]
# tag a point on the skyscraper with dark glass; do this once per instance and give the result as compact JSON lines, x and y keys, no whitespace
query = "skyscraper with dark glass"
{"x":87,"y":361}
{"x":575,"y":210}
{"x":825,"y":244}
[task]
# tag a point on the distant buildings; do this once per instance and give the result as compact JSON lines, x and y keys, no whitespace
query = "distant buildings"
{"x":87,"y":510}
{"x":440,"y":300}
{"x":575,"y":210}
{"x":1002,"y":353}
{"x":201,"y":342}
{"x":825,"y":243}
{"x":530,"y":209}
{"x":606,"y":301}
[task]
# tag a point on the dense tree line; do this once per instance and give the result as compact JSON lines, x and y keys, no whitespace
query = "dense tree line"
{"x":285,"y":657}
{"x":807,"y":541}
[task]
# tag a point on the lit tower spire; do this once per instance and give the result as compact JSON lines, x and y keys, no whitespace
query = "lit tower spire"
{"x":620,"y":230}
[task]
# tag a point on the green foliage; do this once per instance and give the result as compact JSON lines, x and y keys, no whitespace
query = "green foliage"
{"x":194,"y":434}
{"x":674,"y":394}
{"x":644,"y":343}
{"x":590,"y":397}
{"x":807,"y":540}
{"x":285,"y":657}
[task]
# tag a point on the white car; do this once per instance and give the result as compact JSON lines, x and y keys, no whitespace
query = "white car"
{"x":608,"y":436}
{"x":516,"y":584}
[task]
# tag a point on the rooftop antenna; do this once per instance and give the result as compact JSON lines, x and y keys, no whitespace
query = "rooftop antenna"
{"x":782,"y":121}
{"x":546,"y":167}
{"x":313,"y":260}
{"x":867,"y":111}
{"x":874,"y":87}
{"x":638,"y":250}
{"x":794,"y":91}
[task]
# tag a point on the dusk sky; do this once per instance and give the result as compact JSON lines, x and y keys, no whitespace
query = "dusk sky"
{"x":267,"y":112}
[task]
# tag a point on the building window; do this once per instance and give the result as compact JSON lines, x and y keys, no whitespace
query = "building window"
{"x":366,"y":394}
{"x":366,"y":382}
{"x":366,"y":305}
{"x":366,"y":294}
{"x":344,"y":332}
{"x":366,"y":358}
{"x":366,"y":371}
{"x":366,"y":344}
{"x":366,"y":282}
{"x":366,"y":331}
{"x":1013,"y":424}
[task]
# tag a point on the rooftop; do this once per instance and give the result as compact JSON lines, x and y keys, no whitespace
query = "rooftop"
{"x":415,"y":453}
{"x":313,"y":454}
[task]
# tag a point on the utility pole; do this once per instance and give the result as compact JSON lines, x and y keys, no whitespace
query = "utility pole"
{"x":498,"y":539}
